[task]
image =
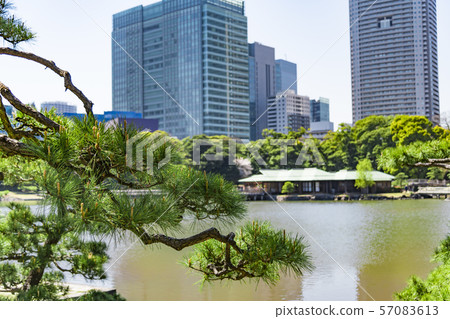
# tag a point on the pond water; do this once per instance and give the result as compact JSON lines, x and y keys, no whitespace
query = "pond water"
{"x":361,"y":250}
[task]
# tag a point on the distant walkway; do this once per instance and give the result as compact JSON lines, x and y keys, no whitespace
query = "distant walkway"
{"x":434,"y":191}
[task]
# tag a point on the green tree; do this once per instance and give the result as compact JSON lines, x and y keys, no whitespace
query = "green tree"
{"x":436,"y":173}
{"x":437,"y":286}
{"x":87,"y":171}
{"x":434,"y":153}
{"x":401,"y":180}
{"x":339,"y":149}
{"x":12,"y":30}
{"x":366,"y":139}
{"x":440,"y":133}
{"x":35,"y":254}
{"x":372,"y":135}
{"x":418,"y":143}
{"x":283,"y":151}
{"x":288,"y":188}
{"x":431,"y":154}
{"x":217,"y":154}
{"x":364,"y":175}
{"x":409,"y":129}
{"x":95,"y":295}
{"x":18,"y":172}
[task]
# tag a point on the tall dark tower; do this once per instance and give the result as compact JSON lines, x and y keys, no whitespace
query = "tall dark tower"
{"x":394,"y":58}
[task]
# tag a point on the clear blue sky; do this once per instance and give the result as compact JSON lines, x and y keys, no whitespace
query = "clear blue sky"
{"x":300,"y":30}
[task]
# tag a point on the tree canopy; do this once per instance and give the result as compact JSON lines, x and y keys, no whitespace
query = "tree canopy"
{"x":12,"y":30}
{"x":364,"y":174}
{"x":435,"y":153}
{"x":401,"y":144}
{"x":216,"y":154}
{"x":436,"y":287}
{"x":87,"y":170}
{"x":288,"y":188}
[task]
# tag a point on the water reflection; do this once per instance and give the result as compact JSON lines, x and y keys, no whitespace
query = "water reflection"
{"x":377,"y":245}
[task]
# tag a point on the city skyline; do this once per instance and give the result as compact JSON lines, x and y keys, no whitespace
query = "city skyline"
{"x":85,"y":55}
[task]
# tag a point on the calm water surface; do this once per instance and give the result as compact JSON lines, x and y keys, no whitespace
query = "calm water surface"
{"x":376,"y":247}
{"x":360,"y":250}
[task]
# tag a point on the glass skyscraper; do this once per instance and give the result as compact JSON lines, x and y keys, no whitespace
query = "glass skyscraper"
{"x":185,"y":63}
{"x":285,"y":76}
{"x":394,"y":58}
{"x":320,"y":110}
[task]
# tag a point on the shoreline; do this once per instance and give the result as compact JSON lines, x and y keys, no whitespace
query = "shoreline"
{"x":338,"y":198}
{"x":77,"y":290}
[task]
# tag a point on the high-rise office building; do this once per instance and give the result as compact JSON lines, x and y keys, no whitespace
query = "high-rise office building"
{"x":262,"y":86}
{"x":394,"y":58}
{"x":320,"y":110}
{"x":285,"y":76}
{"x":184,"y":63}
{"x":288,"y":110}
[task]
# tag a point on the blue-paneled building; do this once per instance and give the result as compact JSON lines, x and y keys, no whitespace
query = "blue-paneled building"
{"x":107,"y":116}
{"x":320,"y":110}
{"x":184,"y":63}
{"x":118,"y":118}
{"x":285,"y":76}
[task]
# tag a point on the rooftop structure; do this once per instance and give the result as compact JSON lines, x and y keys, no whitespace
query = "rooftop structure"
{"x":313,"y":180}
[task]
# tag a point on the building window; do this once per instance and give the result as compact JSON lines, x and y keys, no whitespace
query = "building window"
{"x":385,"y":22}
{"x":307,"y":187}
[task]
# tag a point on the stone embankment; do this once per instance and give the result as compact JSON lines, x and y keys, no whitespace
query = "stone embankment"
{"x":347,"y":197}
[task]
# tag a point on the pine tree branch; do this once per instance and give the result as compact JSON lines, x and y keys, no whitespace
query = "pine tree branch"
{"x":130,"y":184}
{"x":11,"y":147}
{"x":14,"y":257}
{"x":180,"y":244}
{"x":52,"y":66}
{"x":7,"y":94}
{"x":62,"y":269}
{"x":12,"y":132}
{"x":11,"y":290}
{"x":222,"y":270}
{"x":5,"y":120}
{"x":436,"y":162}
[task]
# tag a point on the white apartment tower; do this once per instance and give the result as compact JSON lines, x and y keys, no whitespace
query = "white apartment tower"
{"x":288,"y":110}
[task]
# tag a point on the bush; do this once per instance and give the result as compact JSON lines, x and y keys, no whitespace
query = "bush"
{"x":437,"y":285}
{"x":288,"y":188}
{"x":97,"y":295}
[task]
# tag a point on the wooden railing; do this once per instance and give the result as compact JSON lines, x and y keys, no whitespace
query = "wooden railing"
{"x":434,"y":190}
{"x":440,"y":183}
